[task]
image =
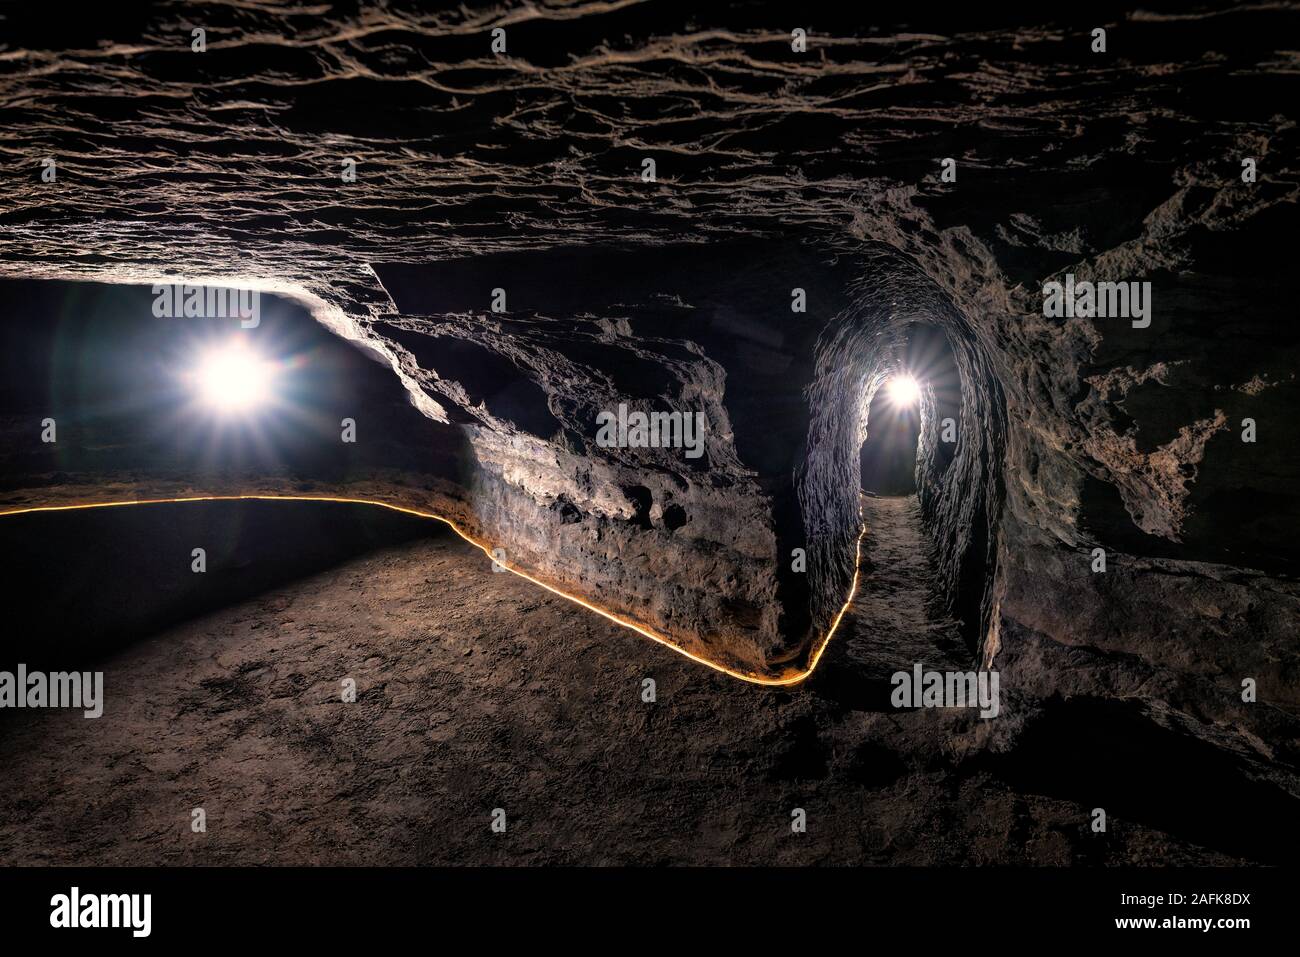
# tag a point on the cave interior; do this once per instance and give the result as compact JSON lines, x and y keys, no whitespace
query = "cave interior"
{"x":904,"y":462}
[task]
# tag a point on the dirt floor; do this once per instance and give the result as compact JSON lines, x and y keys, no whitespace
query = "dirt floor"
{"x":478,"y":691}
{"x":892,"y":623}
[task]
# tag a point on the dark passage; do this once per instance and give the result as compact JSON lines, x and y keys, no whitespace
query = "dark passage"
{"x":94,"y":581}
{"x":888,"y":456}
{"x":118,"y":382}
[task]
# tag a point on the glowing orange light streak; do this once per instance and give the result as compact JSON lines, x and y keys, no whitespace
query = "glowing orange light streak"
{"x":790,"y":679}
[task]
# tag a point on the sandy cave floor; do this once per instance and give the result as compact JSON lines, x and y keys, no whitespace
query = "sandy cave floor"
{"x":478,"y":690}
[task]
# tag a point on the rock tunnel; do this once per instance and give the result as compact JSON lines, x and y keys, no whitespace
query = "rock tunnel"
{"x":494,"y":280}
{"x":489,"y":421}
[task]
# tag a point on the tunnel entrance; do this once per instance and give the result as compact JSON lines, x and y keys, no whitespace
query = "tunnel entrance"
{"x":887,"y":459}
{"x":928,"y":434}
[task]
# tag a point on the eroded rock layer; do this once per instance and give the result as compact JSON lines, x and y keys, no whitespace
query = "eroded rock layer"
{"x":775,"y":171}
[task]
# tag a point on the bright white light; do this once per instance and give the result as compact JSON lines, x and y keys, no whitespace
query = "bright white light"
{"x":904,"y":391}
{"x":234,"y":379}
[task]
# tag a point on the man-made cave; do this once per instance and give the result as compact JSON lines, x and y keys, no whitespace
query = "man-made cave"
{"x":869,"y":450}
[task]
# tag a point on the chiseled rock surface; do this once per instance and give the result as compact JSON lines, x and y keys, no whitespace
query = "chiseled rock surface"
{"x":775,"y":170}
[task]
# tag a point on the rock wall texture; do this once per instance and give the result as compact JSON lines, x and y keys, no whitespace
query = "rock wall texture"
{"x":775,"y":170}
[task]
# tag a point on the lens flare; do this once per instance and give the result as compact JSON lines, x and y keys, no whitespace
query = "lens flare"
{"x":234,"y":379}
{"x":904,"y":391}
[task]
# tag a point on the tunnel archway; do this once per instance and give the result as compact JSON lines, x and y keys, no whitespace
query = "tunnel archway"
{"x":902,"y":322}
{"x":887,"y":459}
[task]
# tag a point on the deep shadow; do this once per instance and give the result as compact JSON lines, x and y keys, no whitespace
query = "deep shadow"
{"x":93,"y":581}
{"x":1109,"y":754}
{"x":841,"y":683}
